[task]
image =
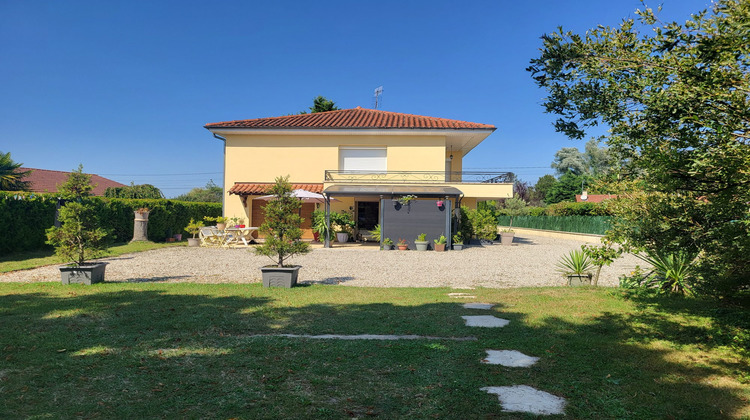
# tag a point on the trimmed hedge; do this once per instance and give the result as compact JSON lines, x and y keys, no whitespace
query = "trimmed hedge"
{"x":596,"y":225}
{"x":26,"y":216}
{"x":568,"y":208}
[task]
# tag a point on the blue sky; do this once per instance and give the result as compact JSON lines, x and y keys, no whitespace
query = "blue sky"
{"x":125,"y":87}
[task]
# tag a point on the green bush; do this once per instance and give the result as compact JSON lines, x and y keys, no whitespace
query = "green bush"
{"x":26,"y":216}
{"x":596,"y":225}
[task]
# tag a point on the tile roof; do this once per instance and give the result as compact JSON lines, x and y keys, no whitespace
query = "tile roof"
{"x":595,"y":198}
{"x":351,"y":118}
{"x":44,"y":180}
{"x":261,"y":188}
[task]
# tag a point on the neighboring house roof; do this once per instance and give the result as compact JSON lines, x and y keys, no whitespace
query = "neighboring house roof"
{"x":261,"y":188}
{"x":595,"y":198}
{"x":352,"y":118}
{"x":44,"y":180}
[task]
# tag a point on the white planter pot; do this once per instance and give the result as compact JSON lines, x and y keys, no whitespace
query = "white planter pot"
{"x":342,"y":237}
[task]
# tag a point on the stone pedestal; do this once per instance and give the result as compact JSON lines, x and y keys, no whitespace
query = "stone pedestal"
{"x":140,"y":226}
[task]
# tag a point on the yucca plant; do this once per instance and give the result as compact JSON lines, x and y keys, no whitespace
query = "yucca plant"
{"x":576,"y":262}
{"x":672,"y":271}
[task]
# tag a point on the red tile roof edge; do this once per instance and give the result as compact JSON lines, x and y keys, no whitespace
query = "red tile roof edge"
{"x":260,"y":188}
{"x":362,"y":120}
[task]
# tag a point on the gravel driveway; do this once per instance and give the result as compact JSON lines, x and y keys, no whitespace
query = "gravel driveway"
{"x":530,"y":262}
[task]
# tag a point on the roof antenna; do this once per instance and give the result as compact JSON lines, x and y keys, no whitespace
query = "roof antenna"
{"x":378,"y":92}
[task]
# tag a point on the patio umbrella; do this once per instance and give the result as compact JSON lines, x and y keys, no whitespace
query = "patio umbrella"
{"x":303,"y":195}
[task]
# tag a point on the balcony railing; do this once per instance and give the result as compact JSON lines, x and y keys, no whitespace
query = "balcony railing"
{"x":410,"y":177}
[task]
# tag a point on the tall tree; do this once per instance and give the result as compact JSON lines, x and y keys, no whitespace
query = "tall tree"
{"x":77,"y":186}
{"x":570,"y":159}
{"x":676,"y":99}
{"x":542,"y":186}
{"x":211,"y":193}
{"x":594,"y":161}
{"x":11,"y":178}
{"x":134,"y":191}
{"x":566,"y":188}
{"x":321,"y":104}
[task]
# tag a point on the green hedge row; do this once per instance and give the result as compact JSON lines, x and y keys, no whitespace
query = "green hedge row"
{"x":569,"y":209}
{"x":596,"y":225}
{"x":26,"y":216}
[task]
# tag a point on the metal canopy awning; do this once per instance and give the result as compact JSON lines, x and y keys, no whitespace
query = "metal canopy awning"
{"x":418,"y":190}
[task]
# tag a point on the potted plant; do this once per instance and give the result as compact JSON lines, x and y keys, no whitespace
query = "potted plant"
{"x":421,"y":242}
{"x":319,"y":227}
{"x":575,"y":266}
{"x":402,"y":245}
{"x":405,"y":200}
{"x":387,"y":244}
{"x":343,"y":224}
{"x":221,"y":222}
{"x":440,"y":243}
{"x":193,"y":228}
{"x":513,"y":207}
{"x":282,"y":235}
{"x":458,"y":242}
{"x":79,"y":237}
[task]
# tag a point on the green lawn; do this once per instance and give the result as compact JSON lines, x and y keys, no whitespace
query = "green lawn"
{"x":34,"y":259}
{"x":187,"y":351}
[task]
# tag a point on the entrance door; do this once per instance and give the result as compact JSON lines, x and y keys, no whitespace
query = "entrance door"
{"x":368,"y":213}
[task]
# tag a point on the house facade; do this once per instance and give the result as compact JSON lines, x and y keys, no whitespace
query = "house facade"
{"x":355,"y":157}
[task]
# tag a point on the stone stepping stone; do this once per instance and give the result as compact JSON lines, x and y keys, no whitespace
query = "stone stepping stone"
{"x":509,"y":358}
{"x":485,"y":306}
{"x":461,"y":296}
{"x":487,"y":321}
{"x":525,"y":399}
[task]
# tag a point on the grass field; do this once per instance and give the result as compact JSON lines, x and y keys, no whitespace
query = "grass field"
{"x":189,"y":351}
{"x":33,"y":259}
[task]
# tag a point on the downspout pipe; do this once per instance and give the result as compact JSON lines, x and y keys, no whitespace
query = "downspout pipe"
{"x":223,"y":175}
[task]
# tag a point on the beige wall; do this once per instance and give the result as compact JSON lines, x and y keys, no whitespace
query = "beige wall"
{"x":261,"y":158}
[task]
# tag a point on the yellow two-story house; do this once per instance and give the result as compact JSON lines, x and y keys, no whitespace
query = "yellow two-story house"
{"x":357,"y":158}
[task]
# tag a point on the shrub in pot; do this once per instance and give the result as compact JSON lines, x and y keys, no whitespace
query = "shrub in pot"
{"x":421,"y":242}
{"x":282,"y":235}
{"x":513,"y":207}
{"x":402,"y":245}
{"x":458,"y":242}
{"x":193,"y":228}
{"x":575,"y":266}
{"x":221,"y":222}
{"x":440,"y":243}
{"x":79,"y":237}
{"x":387,"y":244}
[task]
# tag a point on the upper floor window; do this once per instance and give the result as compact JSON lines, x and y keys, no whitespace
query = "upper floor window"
{"x":363,"y":159}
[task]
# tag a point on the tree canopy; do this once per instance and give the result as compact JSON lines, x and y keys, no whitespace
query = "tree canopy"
{"x":211,"y":193}
{"x":11,"y":178}
{"x":594,"y":161}
{"x":134,"y":191}
{"x":322,"y":104}
{"x":77,"y":186}
{"x":676,"y":100}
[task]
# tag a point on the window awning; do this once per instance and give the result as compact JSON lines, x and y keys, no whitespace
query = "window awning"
{"x":418,"y":190}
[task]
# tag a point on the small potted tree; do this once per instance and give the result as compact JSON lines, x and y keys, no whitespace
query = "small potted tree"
{"x":421,"y":242}
{"x":387,"y":244}
{"x":79,"y":238}
{"x":282,"y":235}
{"x":193,"y":228}
{"x":458,"y":242}
{"x":221,"y":222}
{"x":575,"y":266}
{"x":440,"y":243}
{"x":513,"y":207}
